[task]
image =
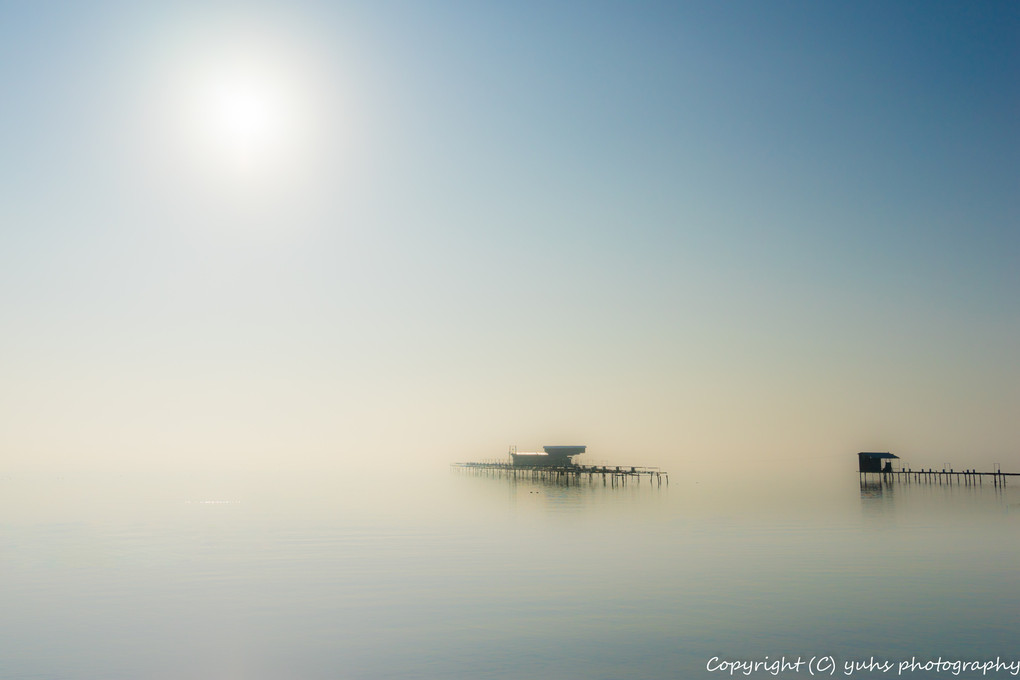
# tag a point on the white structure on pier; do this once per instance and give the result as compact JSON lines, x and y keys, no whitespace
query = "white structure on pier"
{"x":549,"y":456}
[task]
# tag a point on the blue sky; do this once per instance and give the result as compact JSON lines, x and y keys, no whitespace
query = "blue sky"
{"x":677,"y":232}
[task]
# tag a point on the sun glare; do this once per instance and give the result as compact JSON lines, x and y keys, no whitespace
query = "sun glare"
{"x":242,"y":119}
{"x":243,"y":113}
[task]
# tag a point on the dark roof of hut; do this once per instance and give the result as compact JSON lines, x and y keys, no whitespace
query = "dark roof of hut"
{"x":871,"y":454}
{"x":567,"y":450}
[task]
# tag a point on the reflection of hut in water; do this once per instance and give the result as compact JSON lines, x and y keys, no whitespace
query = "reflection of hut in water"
{"x":871,"y":461}
{"x":874,"y":490}
{"x":550,"y":456}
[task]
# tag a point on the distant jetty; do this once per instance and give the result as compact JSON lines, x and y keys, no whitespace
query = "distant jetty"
{"x":556,"y":464}
{"x":880,"y":463}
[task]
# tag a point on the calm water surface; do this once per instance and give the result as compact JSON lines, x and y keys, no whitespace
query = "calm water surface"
{"x":449,"y":575}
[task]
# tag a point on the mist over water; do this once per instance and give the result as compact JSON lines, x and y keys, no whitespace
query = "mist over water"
{"x":445,"y":573}
{"x":267,"y":269}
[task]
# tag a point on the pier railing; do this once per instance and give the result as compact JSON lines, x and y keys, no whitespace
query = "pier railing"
{"x":567,"y":474}
{"x":950,"y":476}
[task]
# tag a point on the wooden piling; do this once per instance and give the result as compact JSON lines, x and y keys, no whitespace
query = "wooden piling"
{"x":950,"y":477}
{"x":567,"y":475}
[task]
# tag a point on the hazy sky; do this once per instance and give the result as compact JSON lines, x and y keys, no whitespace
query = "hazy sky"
{"x":307,"y":234}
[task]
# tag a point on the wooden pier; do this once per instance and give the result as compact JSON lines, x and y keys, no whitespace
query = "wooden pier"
{"x":569,"y":474}
{"x":932,"y":476}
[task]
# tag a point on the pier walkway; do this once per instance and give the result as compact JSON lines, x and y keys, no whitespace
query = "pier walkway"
{"x":932,"y":476}
{"x":610,"y":474}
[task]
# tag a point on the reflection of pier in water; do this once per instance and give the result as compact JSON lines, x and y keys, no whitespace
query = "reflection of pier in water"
{"x":610,"y":475}
{"x":873,"y":490}
{"x":872,"y":468}
{"x":555,"y":464}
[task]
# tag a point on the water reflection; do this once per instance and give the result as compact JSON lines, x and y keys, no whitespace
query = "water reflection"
{"x":322,"y":576}
{"x":933,"y":501}
{"x":565,"y":493}
{"x":875,"y":490}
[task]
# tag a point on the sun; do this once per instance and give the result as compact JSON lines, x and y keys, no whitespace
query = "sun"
{"x":246,"y":117}
{"x":243,"y":113}
{"x":243,"y":119}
